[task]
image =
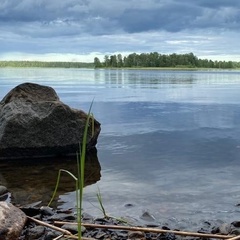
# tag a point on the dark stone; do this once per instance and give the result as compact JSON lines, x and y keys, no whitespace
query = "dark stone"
{"x":62,"y":217}
{"x":51,"y":235}
{"x":167,"y":236}
{"x":35,"y":232}
{"x":46,"y":211}
{"x":236,"y":224}
{"x":5,"y":197}
{"x":30,"y":211}
{"x":35,"y":123}
{"x":128,"y":205}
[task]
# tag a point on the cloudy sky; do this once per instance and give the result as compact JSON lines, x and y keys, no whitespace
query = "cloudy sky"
{"x":79,"y":30}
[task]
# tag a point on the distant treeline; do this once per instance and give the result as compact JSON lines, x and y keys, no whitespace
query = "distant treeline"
{"x":155,"y":59}
{"x":133,"y":60}
{"x":45,"y":64}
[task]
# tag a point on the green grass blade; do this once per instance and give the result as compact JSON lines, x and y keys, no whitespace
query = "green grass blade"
{"x":81,"y":170}
{"x":57,"y":183}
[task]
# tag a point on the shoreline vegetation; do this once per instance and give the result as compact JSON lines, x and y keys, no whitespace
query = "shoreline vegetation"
{"x":134,"y":61}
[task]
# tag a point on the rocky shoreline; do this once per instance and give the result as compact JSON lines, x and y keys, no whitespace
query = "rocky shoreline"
{"x":45,"y":223}
{"x":91,"y":229}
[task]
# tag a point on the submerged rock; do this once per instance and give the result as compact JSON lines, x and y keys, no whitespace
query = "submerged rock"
{"x":35,"y":123}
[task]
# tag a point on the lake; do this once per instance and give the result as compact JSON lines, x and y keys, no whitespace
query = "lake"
{"x":169,"y":145}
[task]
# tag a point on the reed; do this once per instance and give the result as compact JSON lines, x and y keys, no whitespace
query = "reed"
{"x":79,"y":180}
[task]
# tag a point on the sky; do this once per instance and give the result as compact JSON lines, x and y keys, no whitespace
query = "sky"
{"x":79,"y":30}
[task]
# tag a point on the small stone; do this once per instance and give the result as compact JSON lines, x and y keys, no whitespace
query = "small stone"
{"x":100,"y":235}
{"x":236,"y":224}
{"x":86,"y":216}
{"x":73,"y":228}
{"x":146,"y":216}
{"x":62,"y":217}
{"x":36,"y":232}
{"x":3,"y":190}
{"x":5,"y":196}
{"x":51,"y":235}
{"x":167,"y":236}
{"x":30,"y":211}
{"x":128,"y":205}
{"x":235,"y":231}
{"x":225,"y":229}
{"x":45,"y":210}
{"x":135,"y":234}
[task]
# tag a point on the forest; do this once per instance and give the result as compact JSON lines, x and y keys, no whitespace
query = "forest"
{"x":133,"y":60}
{"x":155,"y":60}
{"x":46,"y":64}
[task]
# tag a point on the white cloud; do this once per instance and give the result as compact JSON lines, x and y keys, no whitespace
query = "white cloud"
{"x":48,"y":57}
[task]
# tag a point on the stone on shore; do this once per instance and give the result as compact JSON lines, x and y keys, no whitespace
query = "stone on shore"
{"x":35,"y":123}
{"x":12,"y":221}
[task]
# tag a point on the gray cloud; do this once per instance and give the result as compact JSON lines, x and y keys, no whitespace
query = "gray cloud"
{"x":84,"y":26}
{"x":95,"y":17}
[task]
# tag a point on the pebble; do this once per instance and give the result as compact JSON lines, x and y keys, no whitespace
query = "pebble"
{"x":3,"y":190}
{"x":73,"y":228}
{"x":146,"y":216}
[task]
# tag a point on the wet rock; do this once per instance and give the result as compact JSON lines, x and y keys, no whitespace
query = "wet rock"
{"x":87,"y":217}
{"x":35,"y":232}
{"x":62,"y":217}
{"x":136,"y":235}
{"x":30,"y":211}
{"x":73,"y":228}
{"x":148,"y":217}
{"x":3,"y":190}
{"x":235,"y":231}
{"x":12,"y":221}
{"x":167,"y":236}
{"x":46,"y":211}
{"x":51,"y":235}
{"x":225,"y":229}
{"x":4,"y":193}
{"x":35,"y":123}
{"x":236,"y":224}
{"x":5,"y":197}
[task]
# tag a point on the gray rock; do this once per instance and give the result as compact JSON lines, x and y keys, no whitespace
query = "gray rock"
{"x":225,"y":228}
{"x":45,"y":210}
{"x":3,"y":190}
{"x":36,"y":232}
{"x":135,"y":235}
{"x":12,"y":221}
{"x":148,"y":217}
{"x":35,"y":123}
{"x":73,"y":228}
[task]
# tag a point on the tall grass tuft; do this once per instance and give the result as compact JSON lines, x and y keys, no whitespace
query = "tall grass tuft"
{"x":79,"y":180}
{"x":81,"y":157}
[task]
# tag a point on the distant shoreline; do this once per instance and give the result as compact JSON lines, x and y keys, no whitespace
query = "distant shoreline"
{"x":78,"y":65}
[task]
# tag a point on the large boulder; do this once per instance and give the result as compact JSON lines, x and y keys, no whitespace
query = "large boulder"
{"x":35,"y":123}
{"x":12,"y":221}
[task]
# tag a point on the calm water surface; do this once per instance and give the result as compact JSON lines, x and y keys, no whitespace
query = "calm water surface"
{"x":170,"y":140}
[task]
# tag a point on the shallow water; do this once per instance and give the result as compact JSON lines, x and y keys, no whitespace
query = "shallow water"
{"x":170,"y":140}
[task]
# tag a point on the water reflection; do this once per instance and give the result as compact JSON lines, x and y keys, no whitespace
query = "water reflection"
{"x":34,"y":180}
